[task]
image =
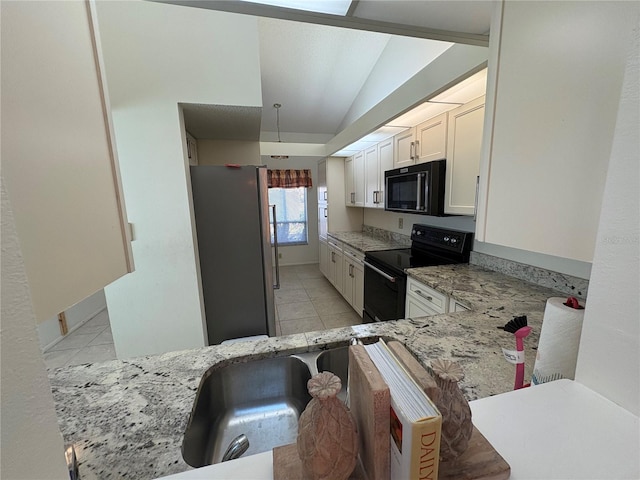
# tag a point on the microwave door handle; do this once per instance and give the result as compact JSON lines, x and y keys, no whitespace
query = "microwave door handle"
{"x":419,"y":195}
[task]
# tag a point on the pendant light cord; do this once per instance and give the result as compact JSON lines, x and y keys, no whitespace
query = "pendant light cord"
{"x":277,"y":107}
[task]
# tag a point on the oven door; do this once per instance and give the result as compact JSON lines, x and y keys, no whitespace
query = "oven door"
{"x":384,"y":293}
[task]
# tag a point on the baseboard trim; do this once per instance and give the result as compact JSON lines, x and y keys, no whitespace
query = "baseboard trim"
{"x":71,"y":330}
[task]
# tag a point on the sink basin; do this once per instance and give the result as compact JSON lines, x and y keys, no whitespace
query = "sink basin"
{"x":262,"y":399}
{"x":336,"y":361}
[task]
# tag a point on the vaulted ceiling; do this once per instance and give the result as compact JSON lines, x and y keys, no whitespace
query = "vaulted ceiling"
{"x":317,"y":70}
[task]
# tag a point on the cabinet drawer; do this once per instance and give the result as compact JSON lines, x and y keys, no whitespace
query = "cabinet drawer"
{"x":431,"y":298}
{"x":352,"y":254}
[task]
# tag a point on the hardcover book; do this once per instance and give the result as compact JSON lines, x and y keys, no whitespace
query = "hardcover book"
{"x":415,"y":422}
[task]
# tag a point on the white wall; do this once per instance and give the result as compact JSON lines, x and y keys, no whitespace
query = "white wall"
{"x":32,"y":446}
{"x":446,"y":70}
{"x":301,"y":254}
{"x":389,"y":221}
{"x":609,"y":356}
{"x":558,"y":81}
{"x":219,"y":152}
{"x":154,"y":61}
{"x":76,"y":315}
{"x":400,"y":60}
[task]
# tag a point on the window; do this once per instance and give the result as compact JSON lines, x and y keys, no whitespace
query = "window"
{"x":291,"y":212}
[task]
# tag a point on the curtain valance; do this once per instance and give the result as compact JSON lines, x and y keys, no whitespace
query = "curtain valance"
{"x":289,"y":178}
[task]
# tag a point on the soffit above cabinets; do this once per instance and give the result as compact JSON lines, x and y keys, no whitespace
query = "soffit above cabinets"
{"x":222,"y":122}
{"x":454,"y":96}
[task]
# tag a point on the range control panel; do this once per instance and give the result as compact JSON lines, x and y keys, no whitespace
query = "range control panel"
{"x":453,"y":240}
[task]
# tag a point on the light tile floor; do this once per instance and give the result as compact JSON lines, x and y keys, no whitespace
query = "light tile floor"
{"x":91,"y":342}
{"x":305,"y":302}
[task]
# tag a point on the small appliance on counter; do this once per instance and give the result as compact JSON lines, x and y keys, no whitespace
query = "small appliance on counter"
{"x":385,"y":280}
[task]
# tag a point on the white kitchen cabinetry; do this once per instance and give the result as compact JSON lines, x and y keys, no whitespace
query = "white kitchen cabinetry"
{"x":323,"y":216}
{"x":321,"y":182}
{"x":354,"y":180}
{"x":333,"y":216}
{"x":353,"y":286}
{"x":192,"y":149}
{"x":335,"y":265}
{"x":422,"y":143}
{"x":423,"y":301}
{"x":431,"y":139}
{"x":67,"y":201}
{"x":456,"y":306}
{"x":378,"y":159}
{"x":348,"y":182}
{"x":464,"y":146}
{"x":371,"y":177}
{"x":323,"y":256}
{"x":403,"y":148}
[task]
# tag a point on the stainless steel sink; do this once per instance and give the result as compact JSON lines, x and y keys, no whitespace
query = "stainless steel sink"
{"x":336,"y":361}
{"x":262,"y":399}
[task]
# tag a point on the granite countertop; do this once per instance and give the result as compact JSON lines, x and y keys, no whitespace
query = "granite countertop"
{"x":127,"y":418}
{"x":366,"y":242}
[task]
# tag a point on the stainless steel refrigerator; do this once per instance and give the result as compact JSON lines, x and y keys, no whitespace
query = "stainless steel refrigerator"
{"x":231,"y":208}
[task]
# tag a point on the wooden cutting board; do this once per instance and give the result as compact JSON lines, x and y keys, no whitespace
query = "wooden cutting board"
{"x":287,"y":465}
{"x":479,"y":462}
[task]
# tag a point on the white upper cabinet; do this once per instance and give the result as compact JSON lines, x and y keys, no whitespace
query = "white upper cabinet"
{"x":192,"y":149}
{"x":354,"y":180}
{"x":59,"y":163}
{"x":464,"y":146}
{"x":371,"y":177}
{"x":431,"y":139}
{"x":403,"y":148}
{"x":358,"y":179}
{"x":349,"y":194}
{"x":321,"y":182}
{"x":385,"y":162}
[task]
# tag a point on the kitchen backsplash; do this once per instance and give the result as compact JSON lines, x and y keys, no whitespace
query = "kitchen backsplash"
{"x":387,"y":235}
{"x":568,"y":284}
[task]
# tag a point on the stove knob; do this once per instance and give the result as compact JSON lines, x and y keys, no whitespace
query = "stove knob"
{"x":418,"y":232}
{"x":446,"y":239}
{"x":413,"y":232}
{"x":454,"y":240}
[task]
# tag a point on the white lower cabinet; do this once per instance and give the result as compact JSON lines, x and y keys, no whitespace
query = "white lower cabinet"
{"x":324,"y":256}
{"x":353,"y":285}
{"x":335,"y":265}
{"x":456,"y":306}
{"x":422,"y":301}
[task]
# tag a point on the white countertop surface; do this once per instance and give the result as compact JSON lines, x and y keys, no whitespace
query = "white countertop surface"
{"x":557,"y":430}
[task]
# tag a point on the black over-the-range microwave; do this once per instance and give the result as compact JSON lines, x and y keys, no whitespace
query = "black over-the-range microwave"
{"x":416,"y":189}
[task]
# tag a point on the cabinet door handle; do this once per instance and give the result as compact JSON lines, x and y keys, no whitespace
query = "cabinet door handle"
{"x":325,"y":213}
{"x":426,"y":297}
{"x":412,"y":150}
{"x":353,"y":197}
{"x":325,"y":195}
{"x":416,"y":150}
{"x":333,"y":257}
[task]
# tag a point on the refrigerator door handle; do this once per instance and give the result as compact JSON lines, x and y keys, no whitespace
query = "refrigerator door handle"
{"x":275,"y":247}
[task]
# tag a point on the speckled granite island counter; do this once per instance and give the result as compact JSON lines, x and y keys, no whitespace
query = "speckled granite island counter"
{"x":127,"y":418}
{"x":372,"y":239}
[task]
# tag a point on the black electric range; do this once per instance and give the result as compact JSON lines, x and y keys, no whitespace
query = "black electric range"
{"x":385,"y":280}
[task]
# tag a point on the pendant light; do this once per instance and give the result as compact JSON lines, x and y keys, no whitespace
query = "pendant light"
{"x":277,"y":107}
